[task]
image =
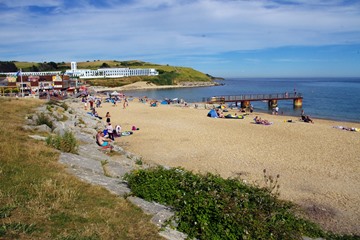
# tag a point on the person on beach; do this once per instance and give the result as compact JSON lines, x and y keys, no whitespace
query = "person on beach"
{"x":95,"y":114}
{"x":98,"y":102}
{"x":114,"y":102}
{"x":101,"y":140}
{"x":303,"y":116}
{"x":258,"y":120}
{"x":85,"y":103}
{"x":126,"y":103}
{"x":220,"y":113}
{"x":107,"y":117}
{"x":308,"y":119}
{"x":110,"y":131}
{"x":91,"y":101}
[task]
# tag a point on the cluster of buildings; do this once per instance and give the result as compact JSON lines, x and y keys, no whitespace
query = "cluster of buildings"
{"x":35,"y":83}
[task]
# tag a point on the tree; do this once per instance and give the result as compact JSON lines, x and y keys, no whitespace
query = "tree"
{"x":105,"y":65}
{"x":8,"y":67}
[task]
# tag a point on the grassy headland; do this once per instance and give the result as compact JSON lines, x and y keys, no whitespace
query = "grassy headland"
{"x":168,"y":75}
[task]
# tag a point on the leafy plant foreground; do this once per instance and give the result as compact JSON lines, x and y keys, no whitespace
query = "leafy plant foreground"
{"x":210,"y":207}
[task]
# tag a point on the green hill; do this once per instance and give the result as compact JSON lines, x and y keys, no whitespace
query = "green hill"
{"x":168,"y":75}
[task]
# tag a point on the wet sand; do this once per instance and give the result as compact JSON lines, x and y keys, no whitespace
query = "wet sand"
{"x":319,"y":165}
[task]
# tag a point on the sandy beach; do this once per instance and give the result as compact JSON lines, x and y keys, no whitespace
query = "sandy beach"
{"x":141,"y":85}
{"x":318,"y":165}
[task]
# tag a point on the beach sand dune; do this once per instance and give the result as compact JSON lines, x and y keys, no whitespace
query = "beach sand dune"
{"x":319,"y":165}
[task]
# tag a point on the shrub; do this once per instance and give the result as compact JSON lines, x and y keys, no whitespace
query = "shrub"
{"x":210,"y":207}
{"x":65,"y":143}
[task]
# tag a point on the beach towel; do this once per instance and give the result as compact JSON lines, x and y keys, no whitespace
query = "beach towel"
{"x":234,"y":116}
{"x":126,"y":133}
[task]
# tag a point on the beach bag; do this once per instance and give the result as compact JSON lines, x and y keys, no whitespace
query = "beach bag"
{"x":118,"y":129}
{"x":134,"y":128}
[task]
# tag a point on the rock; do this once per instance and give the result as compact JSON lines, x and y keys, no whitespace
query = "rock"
{"x":43,"y":128}
{"x":57,"y":115}
{"x":172,"y":234}
{"x":28,"y":128}
{"x":59,"y":128}
{"x":90,"y":131}
{"x":81,"y":162}
{"x":30,"y":121}
{"x":35,"y":118}
{"x":37,"y":137}
{"x":117,"y":169}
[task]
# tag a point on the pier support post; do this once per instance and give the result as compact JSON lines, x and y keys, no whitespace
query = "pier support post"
{"x":245,"y":104}
{"x":298,"y":102}
{"x":273,"y":103}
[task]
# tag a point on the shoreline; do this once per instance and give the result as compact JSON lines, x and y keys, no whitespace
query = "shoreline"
{"x":318,"y":164}
{"x":142,"y":85}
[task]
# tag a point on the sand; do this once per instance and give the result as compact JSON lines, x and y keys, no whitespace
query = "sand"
{"x":319,"y":165}
{"x":142,"y":85}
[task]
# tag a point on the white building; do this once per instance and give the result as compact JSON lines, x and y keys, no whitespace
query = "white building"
{"x":109,"y":72}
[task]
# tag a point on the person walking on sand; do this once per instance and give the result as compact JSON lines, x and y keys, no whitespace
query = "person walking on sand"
{"x":85,"y":103}
{"x":125,"y":104}
{"x":107,"y":117}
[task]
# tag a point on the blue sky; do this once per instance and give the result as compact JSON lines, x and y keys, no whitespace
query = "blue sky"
{"x":227,"y":38}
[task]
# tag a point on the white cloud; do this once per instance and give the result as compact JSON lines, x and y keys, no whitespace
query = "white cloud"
{"x":170,"y":27}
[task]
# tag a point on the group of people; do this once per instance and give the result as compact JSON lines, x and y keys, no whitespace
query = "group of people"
{"x":103,"y":139}
{"x":92,"y":101}
{"x":116,"y":99}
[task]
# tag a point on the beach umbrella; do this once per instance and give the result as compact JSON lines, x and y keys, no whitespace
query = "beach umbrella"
{"x":115,"y":93}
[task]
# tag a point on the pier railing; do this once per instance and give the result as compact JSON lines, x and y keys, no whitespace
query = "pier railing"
{"x":254,"y":97}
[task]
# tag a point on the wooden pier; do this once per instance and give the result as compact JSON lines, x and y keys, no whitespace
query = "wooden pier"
{"x":245,"y":99}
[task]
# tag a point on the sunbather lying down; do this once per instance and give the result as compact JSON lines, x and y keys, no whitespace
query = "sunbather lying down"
{"x":347,"y":128}
{"x":258,"y":120}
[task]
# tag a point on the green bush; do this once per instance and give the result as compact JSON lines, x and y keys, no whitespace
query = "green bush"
{"x":210,"y":207}
{"x":65,"y":143}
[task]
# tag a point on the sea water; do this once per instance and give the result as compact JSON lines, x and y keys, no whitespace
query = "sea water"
{"x":327,"y":98}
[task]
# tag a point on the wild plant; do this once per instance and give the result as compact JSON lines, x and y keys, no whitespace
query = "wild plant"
{"x":65,"y":143}
{"x":42,"y":118}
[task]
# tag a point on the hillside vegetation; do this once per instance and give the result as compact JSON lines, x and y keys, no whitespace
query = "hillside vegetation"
{"x":168,"y":75}
{"x":40,"y":200}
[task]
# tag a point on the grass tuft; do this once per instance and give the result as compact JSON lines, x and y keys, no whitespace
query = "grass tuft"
{"x":65,"y":143}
